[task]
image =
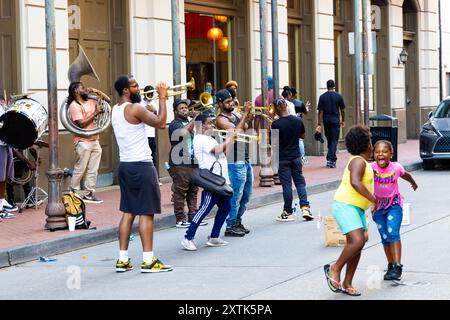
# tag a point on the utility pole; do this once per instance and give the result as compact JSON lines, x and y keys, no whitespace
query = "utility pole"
{"x":275,"y":50}
{"x":56,"y":214}
{"x":365,"y":41}
{"x":357,"y":40}
{"x":176,"y":57}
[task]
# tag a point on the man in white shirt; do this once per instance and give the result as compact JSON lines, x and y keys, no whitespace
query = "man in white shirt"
{"x":210,"y":154}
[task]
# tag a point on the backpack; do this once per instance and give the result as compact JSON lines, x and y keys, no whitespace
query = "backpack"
{"x":75,"y":207}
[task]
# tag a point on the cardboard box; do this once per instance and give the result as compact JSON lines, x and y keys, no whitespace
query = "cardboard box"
{"x":333,"y":234}
{"x":406,"y":221}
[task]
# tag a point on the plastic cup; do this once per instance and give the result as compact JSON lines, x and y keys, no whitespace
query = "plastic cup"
{"x":72,"y":221}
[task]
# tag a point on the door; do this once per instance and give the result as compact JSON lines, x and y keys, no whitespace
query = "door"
{"x":9,"y":49}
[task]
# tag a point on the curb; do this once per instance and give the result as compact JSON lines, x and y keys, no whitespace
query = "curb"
{"x":17,"y":255}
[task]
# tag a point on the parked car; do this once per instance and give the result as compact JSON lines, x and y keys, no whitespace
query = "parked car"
{"x":435,"y":135}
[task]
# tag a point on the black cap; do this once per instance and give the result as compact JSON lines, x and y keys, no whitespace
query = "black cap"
{"x":177,"y":102}
{"x":318,"y":137}
{"x":223,"y":95}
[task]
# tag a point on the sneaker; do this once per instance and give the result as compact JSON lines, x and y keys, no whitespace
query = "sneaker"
{"x":396,"y":273}
{"x":306,"y":213}
{"x":305,"y":161}
{"x":216,"y":242}
{"x":6,"y":215}
{"x":203,"y":223}
{"x":234,"y":232}
{"x":240,"y":226}
{"x":388,"y":274}
{"x":90,"y":198}
{"x":333,"y":164}
{"x":123,"y":266}
{"x":329,"y":164}
{"x":188,"y":245}
{"x":182,"y":224}
{"x":155,"y":266}
{"x":8,"y":207}
{"x":286,"y":217}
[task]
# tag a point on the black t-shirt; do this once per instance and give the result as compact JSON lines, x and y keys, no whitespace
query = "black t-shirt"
{"x":290,"y":130}
{"x":240,"y":149}
{"x":300,"y":107}
{"x":331,"y":103}
{"x":181,"y":152}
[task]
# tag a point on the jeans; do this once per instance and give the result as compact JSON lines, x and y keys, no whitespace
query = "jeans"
{"x":388,"y":222}
{"x":241,"y":178}
{"x":301,"y":144}
{"x":332,"y":132}
{"x":208,"y":202}
{"x":289,"y":170}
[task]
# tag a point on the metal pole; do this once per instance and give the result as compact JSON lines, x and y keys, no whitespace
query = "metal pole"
{"x":266,"y":173}
{"x":357,"y":39}
{"x":176,"y":57}
{"x":366,"y":60}
{"x":55,"y":210}
{"x":275,"y":51}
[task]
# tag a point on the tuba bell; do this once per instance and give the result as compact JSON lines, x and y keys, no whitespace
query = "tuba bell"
{"x":83,"y":67}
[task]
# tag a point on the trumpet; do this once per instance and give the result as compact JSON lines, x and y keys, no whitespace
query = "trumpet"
{"x":240,"y":137}
{"x":258,"y":110}
{"x":205,"y":104}
{"x":173,"y":91}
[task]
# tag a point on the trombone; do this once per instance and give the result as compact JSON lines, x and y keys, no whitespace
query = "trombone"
{"x":240,"y":137}
{"x":205,"y":104}
{"x":173,"y":91}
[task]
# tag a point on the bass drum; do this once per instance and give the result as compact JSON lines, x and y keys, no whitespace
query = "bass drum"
{"x":23,"y":123}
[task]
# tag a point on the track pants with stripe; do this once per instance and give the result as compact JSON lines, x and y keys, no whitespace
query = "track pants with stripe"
{"x":209,"y":200}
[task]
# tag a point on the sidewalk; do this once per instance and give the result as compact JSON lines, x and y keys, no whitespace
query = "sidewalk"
{"x":24,"y":238}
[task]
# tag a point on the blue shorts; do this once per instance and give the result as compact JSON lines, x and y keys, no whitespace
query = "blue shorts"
{"x":349,"y":217}
{"x":389,"y":222}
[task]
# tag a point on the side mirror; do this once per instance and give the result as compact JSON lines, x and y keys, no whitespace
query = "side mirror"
{"x":430,"y":115}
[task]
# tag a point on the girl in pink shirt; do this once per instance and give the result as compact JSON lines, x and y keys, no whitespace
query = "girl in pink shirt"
{"x":389,"y":210}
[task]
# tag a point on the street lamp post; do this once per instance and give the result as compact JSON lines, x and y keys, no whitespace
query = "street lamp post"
{"x":176,"y":42}
{"x":366,"y":59}
{"x":276,"y":78}
{"x":55,"y":210}
{"x":357,"y":62}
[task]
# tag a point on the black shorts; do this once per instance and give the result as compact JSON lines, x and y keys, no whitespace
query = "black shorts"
{"x":139,"y":188}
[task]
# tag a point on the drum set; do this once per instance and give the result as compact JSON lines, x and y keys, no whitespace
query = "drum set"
{"x":23,"y":121}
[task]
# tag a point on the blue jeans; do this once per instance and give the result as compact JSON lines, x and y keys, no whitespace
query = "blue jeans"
{"x":288,"y":171}
{"x":301,"y":144}
{"x":241,"y":178}
{"x":388,"y":222}
{"x":209,"y":200}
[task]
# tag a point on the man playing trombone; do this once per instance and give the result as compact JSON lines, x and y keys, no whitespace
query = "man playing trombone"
{"x":239,"y":168}
{"x":83,"y":110}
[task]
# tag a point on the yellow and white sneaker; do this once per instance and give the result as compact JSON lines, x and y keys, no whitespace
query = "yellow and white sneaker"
{"x":123,"y":266}
{"x":155,"y":266}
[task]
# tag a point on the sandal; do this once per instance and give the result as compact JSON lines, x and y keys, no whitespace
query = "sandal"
{"x":351,"y":292}
{"x":331,"y":282}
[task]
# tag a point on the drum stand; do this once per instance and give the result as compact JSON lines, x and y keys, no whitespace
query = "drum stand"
{"x":33,"y":197}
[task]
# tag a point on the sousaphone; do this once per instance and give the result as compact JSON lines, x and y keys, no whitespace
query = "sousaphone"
{"x":83,"y":67}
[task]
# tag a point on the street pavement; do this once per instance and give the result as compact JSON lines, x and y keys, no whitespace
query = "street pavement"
{"x":276,"y":261}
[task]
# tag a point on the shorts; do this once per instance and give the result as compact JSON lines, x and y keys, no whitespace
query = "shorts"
{"x":6,"y":164}
{"x":349,"y":217}
{"x":388,"y":223}
{"x":139,"y":188}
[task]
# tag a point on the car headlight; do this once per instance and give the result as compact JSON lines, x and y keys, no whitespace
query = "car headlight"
{"x":429,"y":130}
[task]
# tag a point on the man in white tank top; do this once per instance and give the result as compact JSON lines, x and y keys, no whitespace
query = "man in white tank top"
{"x":139,"y":187}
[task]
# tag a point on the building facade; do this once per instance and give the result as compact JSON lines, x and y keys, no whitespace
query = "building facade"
{"x":134,"y":37}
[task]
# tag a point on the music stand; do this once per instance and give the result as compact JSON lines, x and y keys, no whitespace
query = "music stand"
{"x":33,"y":197}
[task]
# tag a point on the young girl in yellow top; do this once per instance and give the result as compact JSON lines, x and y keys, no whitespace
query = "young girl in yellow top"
{"x":353,"y":197}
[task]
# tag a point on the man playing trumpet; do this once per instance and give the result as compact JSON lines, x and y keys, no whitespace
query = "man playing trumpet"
{"x":239,"y":168}
{"x":83,"y":110}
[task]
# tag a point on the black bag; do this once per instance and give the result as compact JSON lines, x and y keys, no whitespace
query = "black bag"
{"x":208,"y":180}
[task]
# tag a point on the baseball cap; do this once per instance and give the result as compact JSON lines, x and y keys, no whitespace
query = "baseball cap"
{"x":223,"y":95}
{"x":177,"y":102}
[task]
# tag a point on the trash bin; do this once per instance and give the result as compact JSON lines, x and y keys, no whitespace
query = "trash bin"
{"x":384,"y":127}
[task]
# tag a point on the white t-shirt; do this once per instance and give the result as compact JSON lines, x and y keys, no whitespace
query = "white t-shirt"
{"x":291,"y":108}
{"x":202,"y":150}
{"x":150,"y":131}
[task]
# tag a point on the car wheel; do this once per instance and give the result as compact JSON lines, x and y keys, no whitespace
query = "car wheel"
{"x":428,"y":164}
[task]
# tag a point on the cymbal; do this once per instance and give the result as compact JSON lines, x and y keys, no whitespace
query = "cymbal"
{"x":41,"y":144}
{"x":21,"y":95}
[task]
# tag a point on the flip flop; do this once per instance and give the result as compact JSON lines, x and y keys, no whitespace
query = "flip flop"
{"x":351,"y":292}
{"x":331,"y":282}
